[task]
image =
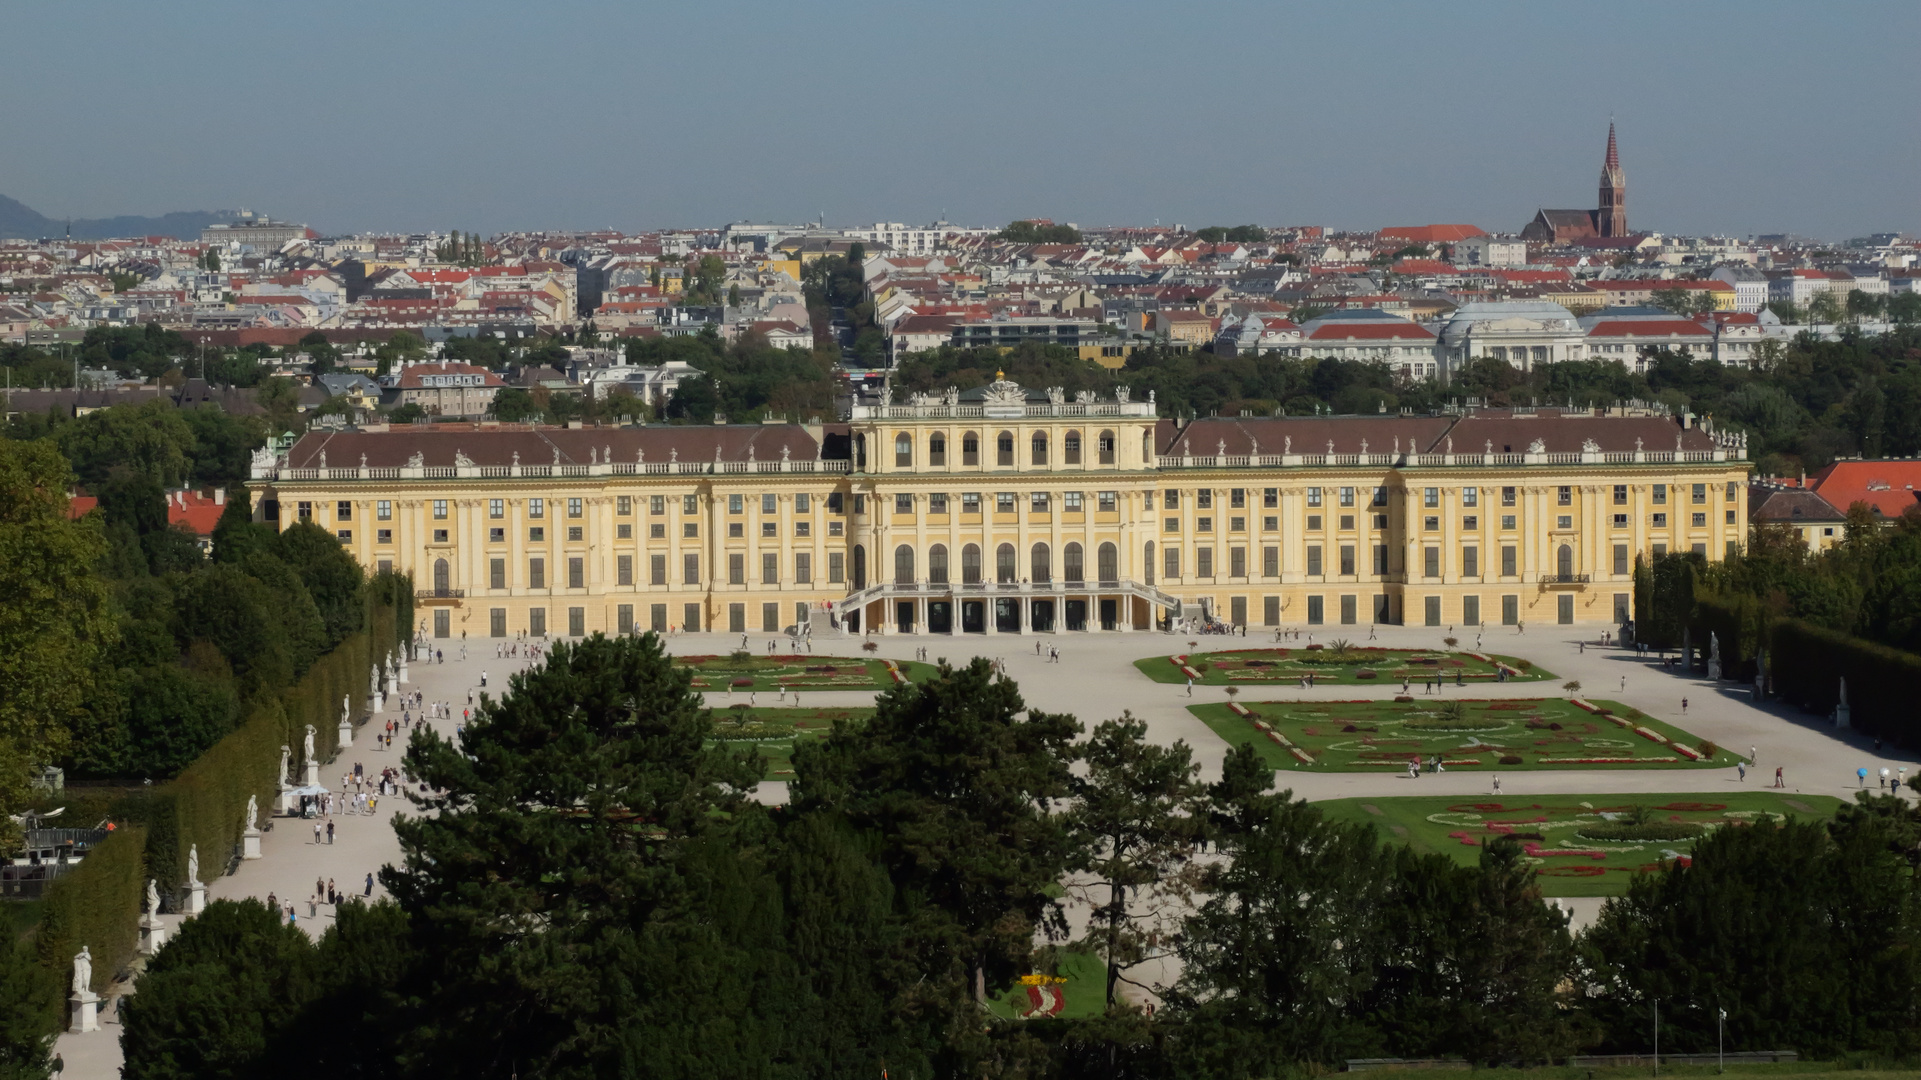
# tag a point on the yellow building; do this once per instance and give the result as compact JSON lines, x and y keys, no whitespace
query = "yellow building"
{"x":1009,"y":510}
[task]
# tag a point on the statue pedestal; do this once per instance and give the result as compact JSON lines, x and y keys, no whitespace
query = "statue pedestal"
{"x":153,"y":934}
{"x":393,"y":685}
{"x":1841,"y":717}
{"x":1714,"y":670}
{"x":250,"y":843}
{"x":403,"y":669}
{"x":196,"y":897}
{"x":84,"y":1012}
{"x":313,"y":774}
{"x":283,"y":803}
{"x":346,"y":735}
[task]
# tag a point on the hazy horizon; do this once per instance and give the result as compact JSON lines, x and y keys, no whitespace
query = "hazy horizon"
{"x":1767,"y":117}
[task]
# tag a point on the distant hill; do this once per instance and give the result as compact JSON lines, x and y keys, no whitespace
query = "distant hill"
{"x":18,"y":221}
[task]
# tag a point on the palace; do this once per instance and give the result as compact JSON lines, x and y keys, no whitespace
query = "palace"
{"x":1008,"y":510}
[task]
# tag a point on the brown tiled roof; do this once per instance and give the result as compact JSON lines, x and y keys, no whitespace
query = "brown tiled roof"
{"x":1563,"y":432}
{"x":1560,"y":432}
{"x":1790,"y":505}
{"x":497,"y":445}
{"x":1308,"y":434}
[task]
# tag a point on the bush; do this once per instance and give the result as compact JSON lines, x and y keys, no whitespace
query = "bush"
{"x":1524,"y":665}
{"x":1364,"y":675}
{"x":1708,"y":749}
{"x":1650,"y":831}
{"x":1511,"y":759}
{"x":97,"y":905}
{"x":1808,"y":663}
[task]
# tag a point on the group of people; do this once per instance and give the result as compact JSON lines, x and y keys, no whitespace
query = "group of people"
{"x":1051,"y":652}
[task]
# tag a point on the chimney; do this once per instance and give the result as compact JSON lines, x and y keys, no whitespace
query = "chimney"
{"x":220,"y":496}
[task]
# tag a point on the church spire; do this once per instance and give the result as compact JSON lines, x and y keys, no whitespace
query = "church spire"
{"x":1611,"y":219}
{"x":1614,"y":155}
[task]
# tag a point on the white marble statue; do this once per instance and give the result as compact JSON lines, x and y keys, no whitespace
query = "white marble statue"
{"x":153,"y":898}
{"x":309,"y":744}
{"x":286,"y":757}
{"x":83,"y":972}
{"x":193,"y":864}
{"x":345,"y":712}
{"x":253,"y":813}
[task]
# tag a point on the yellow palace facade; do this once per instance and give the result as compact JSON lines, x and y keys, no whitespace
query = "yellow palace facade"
{"x":1009,"y":510}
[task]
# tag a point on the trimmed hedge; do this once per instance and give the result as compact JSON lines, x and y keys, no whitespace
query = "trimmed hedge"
{"x":1808,"y":663}
{"x":1739,"y":623}
{"x":97,"y":905}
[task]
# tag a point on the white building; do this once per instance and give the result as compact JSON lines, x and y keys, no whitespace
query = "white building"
{"x":1523,"y":333}
{"x":1750,"y":286}
{"x":1490,"y":251}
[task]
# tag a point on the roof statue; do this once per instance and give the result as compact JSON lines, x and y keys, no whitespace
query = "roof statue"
{"x":1121,"y":392}
{"x":950,"y":396}
{"x":1004,"y":392}
{"x":416,"y":459}
{"x":556,"y":455}
{"x":1537,"y":447}
{"x":593,"y":456}
{"x":461,"y":459}
{"x":363,"y":461}
{"x":516,"y":459}
{"x":1287,"y":444}
{"x":1363,"y":446}
{"x":323,"y":458}
{"x":784,"y":451}
{"x":886,"y":395}
{"x":1589,"y":446}
{"x":1083,"y":397}
{"x":1056,"y":396}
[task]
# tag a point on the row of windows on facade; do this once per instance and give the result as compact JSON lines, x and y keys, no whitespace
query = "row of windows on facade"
{"x":657,"y":621}
{"x":1004,"y":448}
{"x":1429,"y":522}
{"x":576,"y":570}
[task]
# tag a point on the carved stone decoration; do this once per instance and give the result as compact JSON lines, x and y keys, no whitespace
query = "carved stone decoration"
{"x":363,"y":461}
{"x":1220,"y":448}
{"x":516,"y":459}
{"x":1589,"y":446}
{"x":1121,"y":392}
{"x":886,"y":396}
{"x":1083,"y":397}
{"x":416,"y":460}
{"x":461,"y":460}
{"x":1537,"y":447}
{"x":950,"y":396}
{"x":1056,"y":396}
{"x":1637,"y":445}
{"x":640,"y":456}
{"x":1003,"y":391}
{"x":1487,"y":447}
{"x":1363,"y":446}
{"x":784,"y":451}
{"x":1330,"y":446}
{"x":1287,"y":444}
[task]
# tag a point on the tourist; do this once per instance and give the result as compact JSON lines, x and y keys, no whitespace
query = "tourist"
{"x":1741,"y":767}
{"x":1190,"y":687}
{"x":316,"y":833}
{"x":330,"y":834}
{"x":1778,"y":782}
{"x":1413,"y":771}
{"x":1684,"y":706}
{"x":1497,"y":783}
{"x":1862,"y":774}
{"x":370,"y":885}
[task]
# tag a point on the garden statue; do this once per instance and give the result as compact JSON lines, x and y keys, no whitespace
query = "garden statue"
{"x":82,"y":972}
{"x":193,"y":864}
{"x":309,"y":743}
{"x":253,"y":813}
{"x":153,"y":897}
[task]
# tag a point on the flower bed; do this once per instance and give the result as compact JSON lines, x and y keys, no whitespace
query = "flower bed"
{"x":800,"y":673}
{"x":1288,"y":665}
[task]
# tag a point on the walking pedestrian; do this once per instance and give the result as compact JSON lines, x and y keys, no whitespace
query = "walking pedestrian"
{"x":1190,"y":687}
{"x":1862,"y":774}
{"x":1497,"y":783}
{"x":370,"y":885}
{"x":1684,"y":706}
{"x":316,"y":833}
{"x":1742,"y":768}
{"x":1778,"y":782}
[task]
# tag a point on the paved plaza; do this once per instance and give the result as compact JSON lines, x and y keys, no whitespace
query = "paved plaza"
{"x":1095,"y":680}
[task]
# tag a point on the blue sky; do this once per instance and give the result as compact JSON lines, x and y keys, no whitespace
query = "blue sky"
{"x":1734,"y":118}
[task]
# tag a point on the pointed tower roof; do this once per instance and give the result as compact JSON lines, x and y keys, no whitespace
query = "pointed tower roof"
{"x":1614,"y":156}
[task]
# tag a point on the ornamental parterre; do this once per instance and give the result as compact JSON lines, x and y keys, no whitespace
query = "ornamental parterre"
{"x":1505,"y":734}
{"x":800,"y":673}
{"x":1338,"y":663}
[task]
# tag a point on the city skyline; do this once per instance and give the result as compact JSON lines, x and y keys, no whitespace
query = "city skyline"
{"x":632,"y":119}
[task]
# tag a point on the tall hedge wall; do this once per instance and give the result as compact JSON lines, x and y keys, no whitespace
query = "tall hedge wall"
{"x":97,"y":905}
{"x":1808,"y":663}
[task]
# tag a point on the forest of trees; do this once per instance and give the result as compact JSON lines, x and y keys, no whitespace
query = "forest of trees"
{"x":590,"y":890}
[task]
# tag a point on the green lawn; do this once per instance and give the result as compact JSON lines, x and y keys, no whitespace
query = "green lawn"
{"x":1550,"y":828}
{"x":1334,"y":664}
{"x":1084,"y":994}
{"x":1530,"y":733}
{"x":773,"y":673}
{"x":1799,"y":1070}
{"x":774,"y":731}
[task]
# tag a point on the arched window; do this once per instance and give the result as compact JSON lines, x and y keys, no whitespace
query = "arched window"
{"x":1071,"y":448}
{"x":903,"y":451}
{"x":860,"y":567}
{"x":441,"y":575}
{"x":1040,"y":565}
{"x":970,"y":449}
{"x":1040,"y":448}
{"x":937,"y":564}
{"x":1110,"y":563}
{"x":1105,"y":447}
{"x":1004,"y":569}
{"x":903,"y":565}
{"x":1566,"y":559}
{"x":937,"y":449}
{"x":1147,"y":446}
{"x":1147,"y":563}
{"x":1004,"y":448}
{"x":971,"y":565}
{"x":1071,"y":563}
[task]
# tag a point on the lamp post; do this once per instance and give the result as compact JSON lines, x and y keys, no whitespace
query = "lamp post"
{"x":1657,"y":1036}
{"x":1720,"y":1042}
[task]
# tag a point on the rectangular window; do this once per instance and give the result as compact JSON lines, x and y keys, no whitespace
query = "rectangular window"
{"x":536,"y":622}
{"x":769,"y":568}
{"x":1237,"y":562}
{"x":623,"y":569}
{"x":344,"y":536}
{"x":1470,"y":496}
{"x":1620,"y":521}
{"x":970,"y":502}
{"x":1564,"y":608}
{"x":537,"y":534}
{"x":803,"y":503}
{"x":1431,"y":523}
{"x":304,"y":511}
{"x":1314,"y":560}
{"x":657,"y":569}
{"x":1270,"y":611}
{"x":383,"y":536}
{"x":536,"y":573}
{"x":1510,"y":610}
{"x":1237,"y":524}
{"x":440,"y":510}
{"x":1380,"y":558}
{"x":623,"y":531}
{"x":1507,"y":522}
{"x":573,"y":508}
{"x":1170,"y":562}
{"x":1432,"y":604}
{"x":690,"y":530}
{"x":1204,"y":562}
{"x":624,"y":618}
{"x":1237,"y":498}
{"x":769,"y":529}
{"x":937,"y":503}
{"x":576,"y":622}
{"x":1172,"y":524}
{"x":497,"y":573}
{"x":1347,"y":559}
{"x":1470,"y":561}
{"x":1622,"y":610}
{"x":1380,"y":496}
{"x":497,"y":622}
{"x":1699,"y":520}
{"x":1732,"y":484}
{"x":690,"y":504}
{"x":1509,"y":554}
{"x":1313,"y":496}
{"x":1431,"y":562}
{"x":1204,"y":524}
{"x":440,"y":536}
{"x":1700,"y":494}
{"x":1313,"y":523}
{"x":903,"y":503}
{"x":1271,"y":523}
{"x":574,"y":533}
{"x":736,"y":618}
{"x":1003,"y":502}
{"x":1430,"y":496}
{"x":1507,"y":496}
{"x":1564,"y":521}
{"x":1660,"y":549}
{"x":1659,"y":494}
{"x":624,"y":506}
{"x":769,"y":503}
{"x":1106,"y":501}
{"x":736,"y":530}
{"x":1071,"y":502}
{"x":1271,"y":498}
{"x":1349,"y":610}
{"x":1565,"y":496}
{"x":690,"y":618}
{"x":1620,"y":494}
{"x":1315,"y":615}
{"x":1271,"y":562}
{"x":736,"y":568}
{"x":576,"y":573}
{"x":803,"y":528}
{"x":536,"y":508}
{"x":657,"y":618}
{"x":1620,"y":558}
{"x":690,"y":569}
{"x":1037,"y":501}
{"x":1470,"y":523}
{"x":1660,"y":521}
{"x":803,"y":568}
{"x":736,"y":504}
{"x":657,"y":504}
{"x":384,"y":510}
{"x":1347,"y":522}
{"x":1471,"y":610}
{"x":770,"y":618}
{"x":1347,"y":496}
{"x":1204,"y":499}
{"x":1171,"y":499}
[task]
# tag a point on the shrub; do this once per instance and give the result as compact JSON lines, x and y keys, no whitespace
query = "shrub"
{"x":1524,"y":665}
{"x":1572,"y":686}
{"x":1649,"y":831}
{"x":870,"y":646}
{"x":741,"y":656}
{"x":742,"y":682}
{"x":1450,"y":642}
{"x":1708,"y":749}
{"x":1233,"y":691}
{"x":1808,"y":663}
{"x":1510,"y":759}
{"x":1364,"y":675}
{"x":96,"y":905}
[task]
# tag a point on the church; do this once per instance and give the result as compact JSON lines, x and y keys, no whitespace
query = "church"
{"x":1610,"y":219}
